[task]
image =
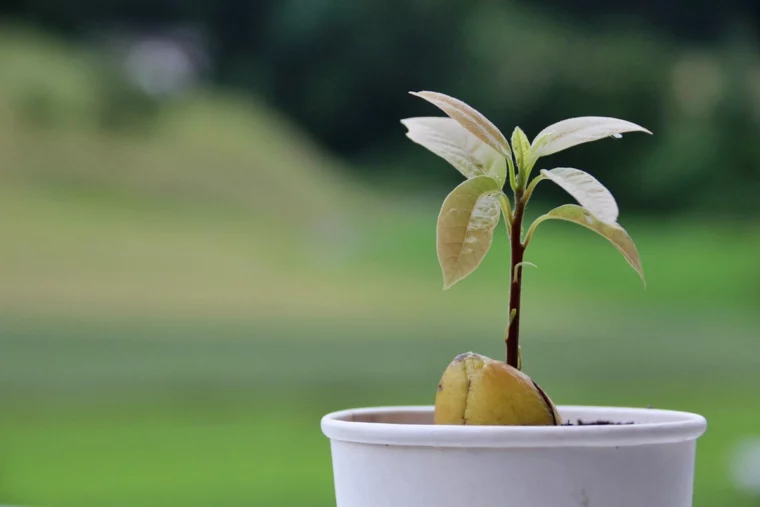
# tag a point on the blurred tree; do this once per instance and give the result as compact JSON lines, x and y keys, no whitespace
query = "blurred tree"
{"x":343,"y":69}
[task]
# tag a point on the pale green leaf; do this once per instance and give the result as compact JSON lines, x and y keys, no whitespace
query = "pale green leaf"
{"x":470,"y":119}
{"x":614,"y":233}
{"x":587,"y":190}
{"x":449,"y":140}
{"x":575,"y":131}
{"x":521,"y":149}
{"x":465,"y":227}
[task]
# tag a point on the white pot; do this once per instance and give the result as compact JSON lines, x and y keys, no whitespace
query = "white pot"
{"x":397,"y":457}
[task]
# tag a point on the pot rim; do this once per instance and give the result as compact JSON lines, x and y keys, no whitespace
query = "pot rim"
{"x":651,"y":426}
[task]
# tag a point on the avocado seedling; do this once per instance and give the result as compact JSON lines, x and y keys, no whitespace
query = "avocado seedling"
{"x":475,"y":389}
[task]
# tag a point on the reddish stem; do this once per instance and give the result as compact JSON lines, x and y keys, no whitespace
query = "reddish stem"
{"x":515,"y":273}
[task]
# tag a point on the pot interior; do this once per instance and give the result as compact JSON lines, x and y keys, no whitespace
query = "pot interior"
{"x":391,"y":416}
{"x":576,"y":416}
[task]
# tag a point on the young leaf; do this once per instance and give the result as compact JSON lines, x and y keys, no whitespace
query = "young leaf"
{"x":470,"y":119}
{"x":587,"y":190}
{"x":449,"y":140}
{"x":521,"y":148}
{"x":465,"y":227}
{"x":613,"y":232}
{"x":575,"y":131}
{"x":520,"y":265}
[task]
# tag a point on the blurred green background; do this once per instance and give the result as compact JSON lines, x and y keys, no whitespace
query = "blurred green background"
{"x":214,"y":231}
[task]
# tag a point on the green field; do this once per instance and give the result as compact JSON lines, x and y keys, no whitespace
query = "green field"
{"x":179,"y":307}
{"x":191,"y":414}
{"x":130,"y":380}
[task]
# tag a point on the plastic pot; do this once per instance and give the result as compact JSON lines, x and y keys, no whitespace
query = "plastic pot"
{"x":397,"y":457}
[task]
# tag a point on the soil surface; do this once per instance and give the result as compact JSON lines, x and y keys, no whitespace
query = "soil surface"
{"x":594,"y":423}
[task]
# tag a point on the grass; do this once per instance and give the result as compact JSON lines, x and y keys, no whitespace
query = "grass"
{"x":161,"y":353}
{"x":197,"y":413}
{"x":226,"y":457}
{"x":179,"y":306}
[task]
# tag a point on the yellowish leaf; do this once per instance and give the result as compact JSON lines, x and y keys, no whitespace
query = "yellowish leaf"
{"x":449,"y":140}
{"x":470,"y":119}
{"x":575,"y":131}
{"x":587,"y":190}
{"x":468,"y":217}
{"x":614,"y":233}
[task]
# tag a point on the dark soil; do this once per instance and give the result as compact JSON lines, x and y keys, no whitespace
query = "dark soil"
{"x":594,"y":423}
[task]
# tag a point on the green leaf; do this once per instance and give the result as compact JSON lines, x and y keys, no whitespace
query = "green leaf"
{"x":468,"y":217}
{"x":449,"y":140}
{"x":470,"y":119}
{"x":575,"y":131}
{"x":523,"y":155}
{"x":612,"y":232}
{"x":587,"y":190}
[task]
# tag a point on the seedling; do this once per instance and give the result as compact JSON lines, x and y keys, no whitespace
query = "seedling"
{"x":470,"y":213}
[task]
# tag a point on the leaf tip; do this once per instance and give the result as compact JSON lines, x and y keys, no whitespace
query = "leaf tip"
{"x":447,"y":283}
{"x":636,"y":265}
{"x":644,"y":130}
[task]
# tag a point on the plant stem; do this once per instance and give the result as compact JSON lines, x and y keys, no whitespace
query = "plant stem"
{"x":515,"y":274}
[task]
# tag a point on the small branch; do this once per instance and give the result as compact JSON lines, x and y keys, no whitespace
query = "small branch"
{"x":529,"y":192}
{"x":526,"y":263}
{"x":506,"y":209}
{"x":512,"y":176}
{"x":532,"y":229}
